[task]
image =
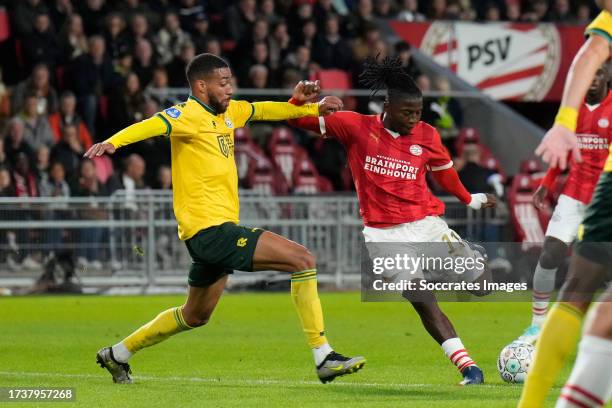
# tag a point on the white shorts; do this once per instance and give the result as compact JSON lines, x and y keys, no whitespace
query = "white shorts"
{"x":566,"y":219}
{"x":410,"y":237}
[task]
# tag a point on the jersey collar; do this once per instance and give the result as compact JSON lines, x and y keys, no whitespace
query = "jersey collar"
{"x":205,"y":106}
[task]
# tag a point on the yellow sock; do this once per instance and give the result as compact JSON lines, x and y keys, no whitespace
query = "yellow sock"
{"x":306,"y":300}
{"x":557,"y":340}
{"x":165,"y":324}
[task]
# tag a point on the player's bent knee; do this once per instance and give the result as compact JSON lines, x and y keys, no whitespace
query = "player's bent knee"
{"x":550,"y":260}
{"x":304,"y":260}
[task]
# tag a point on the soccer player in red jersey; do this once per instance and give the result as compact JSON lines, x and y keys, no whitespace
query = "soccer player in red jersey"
{"x":594,"y":133}
{"x":389,"y":155}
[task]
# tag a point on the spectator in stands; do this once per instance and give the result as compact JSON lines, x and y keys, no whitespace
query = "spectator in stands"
{"x":24,"y":14}
{"x":41,"y":167}
{"x":90,"y":238}
{"x":330,"y":50}
{"x":67,"y":116}
{"x":302,"y":13}
{"x":190,"y":11}
{"x":258,"y":56}
{"x":171,"y":38}
{"x":437,"y":10}
{"x":55,"y":185}
{"x":164,"y":178}
{"x":24,"y":178}
{"x":131,"y":8}
{"x":144,"y":61}
{"x":125,"y":104}
{"x":473,"y":175}
{"x":583,"y":13}
{"x":323,"y":9}
{"x":268,"y":12}
{"x":15,"y":143}
{"x":37,"y":129}
{"x":384,"y":9}
{"x":213,"y":46}
{"x":116,"y":38}
{"x":7,"y":188}
{"x":139,"y":30}
{"x":279,"y":45}
{"x":513,"y":11}
{"x":492,"y":13}
{"x":157,"y":90}
{"x":444,"y":112}
{"x":308,"y":34}
{"x":199,"y":33}
{"x":403,"y":50}
{"x":362,"y":18}
{"x":92,"y":76}
{"x":39,"y":85}
{"x":365,"y":42}
{"x":132,"y":179}
{"x":561,"y":12}
{"x":73,"y":41}
{"x":239,"y":18}
{"x":258,"y":77}
{"x":3,"y":158}
{"x":60,"y":11}
{"x":41,"y":45}
{"x":300,"y":62}
{"x":68,"y":151}
{"x":258,"y":33}
{"x":5,"y":101}
{"x":176,"y":68}
{"x":93,"y":13}
{"x":537,"y":12}
{"x":410,"y":11}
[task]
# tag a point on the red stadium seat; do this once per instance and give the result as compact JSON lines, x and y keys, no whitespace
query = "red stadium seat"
{"x":333,"y":79}
{"x":265,"y":179}
{"x":529,"y":222}
{"x":530,"y":166}
{"x":306,"y":178}
{"x":246,"y":153}
{"x":5,"y":28}
{"x":284,"y":152}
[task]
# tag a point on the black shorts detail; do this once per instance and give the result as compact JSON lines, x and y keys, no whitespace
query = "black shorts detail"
{"x":595,"y":242}
{"x":218,"y":251}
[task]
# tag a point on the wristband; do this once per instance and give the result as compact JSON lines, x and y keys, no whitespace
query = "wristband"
{"x":567,"y":117}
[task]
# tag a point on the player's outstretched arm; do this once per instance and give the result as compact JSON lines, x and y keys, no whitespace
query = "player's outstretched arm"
{"x":449,"y":180}
{"x":154,"y":126}
{"x":560,"y":139}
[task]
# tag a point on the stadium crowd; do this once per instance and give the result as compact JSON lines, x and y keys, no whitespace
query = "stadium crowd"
{"x":86,"y":69}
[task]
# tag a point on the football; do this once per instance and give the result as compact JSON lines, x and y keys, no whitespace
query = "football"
{"x":514,"y":361}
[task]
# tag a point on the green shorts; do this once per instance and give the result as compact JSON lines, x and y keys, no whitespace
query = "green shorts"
{"x":217,"y":251}
{"x":595,"y":242}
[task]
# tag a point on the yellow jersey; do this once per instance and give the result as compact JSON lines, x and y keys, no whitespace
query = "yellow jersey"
{"x":204,"y":175}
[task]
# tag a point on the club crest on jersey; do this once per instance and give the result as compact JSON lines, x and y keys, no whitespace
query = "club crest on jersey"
{"x":173,"y":113}
{"x":225,"y":144}
{"x":229,"y":123}
{"x":603,"y":123}
{"x":416,"y":150}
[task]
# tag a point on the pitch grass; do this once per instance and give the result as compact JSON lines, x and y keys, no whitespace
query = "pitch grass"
{"x":253,"y":353}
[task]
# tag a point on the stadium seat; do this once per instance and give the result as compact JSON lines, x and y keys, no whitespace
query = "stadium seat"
{"x":284,"y":152}
{"x":531,"y":166}
{"x":246,"y":153}
{"x":265,"y":179}
{"x":333,"y":79}
{"x":5,"y":28}
{"x":306,"y":178}
{"x":529,"y":222}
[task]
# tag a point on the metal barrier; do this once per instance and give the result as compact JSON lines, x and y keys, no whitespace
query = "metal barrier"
{"x":131,"y":238}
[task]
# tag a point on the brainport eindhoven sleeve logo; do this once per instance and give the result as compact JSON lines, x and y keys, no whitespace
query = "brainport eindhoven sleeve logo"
{"x":226,"y":146}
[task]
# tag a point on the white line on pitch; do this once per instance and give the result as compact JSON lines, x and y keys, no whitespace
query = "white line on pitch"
{"x":231,"y":382}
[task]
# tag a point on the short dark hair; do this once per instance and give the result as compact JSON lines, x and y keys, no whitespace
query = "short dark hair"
{"x":202,"y":65}
{"x":391,"y":75}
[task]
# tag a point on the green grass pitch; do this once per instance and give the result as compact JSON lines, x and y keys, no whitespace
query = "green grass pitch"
{"x":253,"y":353}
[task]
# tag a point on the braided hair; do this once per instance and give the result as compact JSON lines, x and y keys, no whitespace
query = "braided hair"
{"x":389,"y":74}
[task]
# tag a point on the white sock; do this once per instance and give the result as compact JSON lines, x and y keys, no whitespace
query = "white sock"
{"x":121,"y":353}
{"x":543,"y":285}
{"x":590,"y":384}
{"x":458,"y":355}
{"x":319,"y":353}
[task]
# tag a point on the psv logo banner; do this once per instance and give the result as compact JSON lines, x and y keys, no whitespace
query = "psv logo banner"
{"x":505,"y":60}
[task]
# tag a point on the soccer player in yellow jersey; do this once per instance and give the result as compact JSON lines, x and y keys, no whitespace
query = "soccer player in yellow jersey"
{"x":205,"y":188}
{"x":590,"y":384}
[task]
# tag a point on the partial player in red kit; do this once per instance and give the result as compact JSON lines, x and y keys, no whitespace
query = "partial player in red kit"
{"x":594,"y":133}
{"x":389,"y":155}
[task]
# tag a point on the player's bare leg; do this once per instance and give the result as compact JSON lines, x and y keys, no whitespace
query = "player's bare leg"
{"x":441,"y":329}
{"x":274,"y":252}
{"x":201,"y":302}
{"x":553,"y":253}
{"x":590,"y":383}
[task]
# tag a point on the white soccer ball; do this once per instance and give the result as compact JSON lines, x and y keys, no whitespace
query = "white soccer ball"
{"x":514,"y":362}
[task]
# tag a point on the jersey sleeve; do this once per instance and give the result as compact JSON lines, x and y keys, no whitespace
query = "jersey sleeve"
{"x":602,"y":26}
{"x":242,"y":112}
{"x":136,"y":132}
{"x":439,"y":159}
{"x":177,"y":121}
{"x":343,"y":125}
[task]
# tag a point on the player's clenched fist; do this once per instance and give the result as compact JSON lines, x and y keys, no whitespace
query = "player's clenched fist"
{"x":329,"y":105}
{"x":306,"y":90}
{"x":99,"y":149}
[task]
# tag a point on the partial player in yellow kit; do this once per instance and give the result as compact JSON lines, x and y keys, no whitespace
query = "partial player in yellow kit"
{"x":205,"y":189}
{"x":590,"y":384}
